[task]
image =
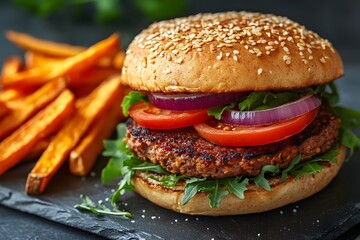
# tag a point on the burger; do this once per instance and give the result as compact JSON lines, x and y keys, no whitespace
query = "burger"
{"x":231,"y":113}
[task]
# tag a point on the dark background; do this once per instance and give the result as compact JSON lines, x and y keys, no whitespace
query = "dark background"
{"x":338,"y":21}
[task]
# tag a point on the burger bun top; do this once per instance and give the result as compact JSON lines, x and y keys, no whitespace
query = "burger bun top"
{"x":229,"y":52}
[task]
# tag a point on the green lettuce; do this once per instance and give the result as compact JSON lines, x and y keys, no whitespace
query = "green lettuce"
{"x":130,"y":99}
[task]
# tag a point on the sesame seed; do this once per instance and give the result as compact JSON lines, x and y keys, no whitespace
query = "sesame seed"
{"x":322,"y":60}
{"x":179,"y":60}
{"x":235,"y":58}
{"x":167,"y":71}
{"x":259,"y":71}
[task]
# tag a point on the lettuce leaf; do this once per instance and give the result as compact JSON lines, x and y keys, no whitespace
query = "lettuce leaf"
{"x":265,"y":100}
{"x":132,"y":98}
{"x":218,"y":111}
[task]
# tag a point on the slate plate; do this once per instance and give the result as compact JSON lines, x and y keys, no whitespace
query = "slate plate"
{"x":327,"y":214}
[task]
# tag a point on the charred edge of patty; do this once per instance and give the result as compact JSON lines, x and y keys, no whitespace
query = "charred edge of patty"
{"x":183,"y":151}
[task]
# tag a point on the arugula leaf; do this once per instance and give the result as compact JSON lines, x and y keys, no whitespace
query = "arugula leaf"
{"x":193,"y":185}
{"x":170,"y":180}
{"x":350,"y":118}
{"x":350,"y":140}
{"x":276,"y":99}
{"x":260,"y":179}
{"x":149,"y":166}
{"x":330,"y":156}
{"x":88,"y":205}
{"x":266,"y":100}
{"x":235,"y":186}
{"x":124,"y":185}
{"x":132,"y":98}
{"x":298,"y":169}
{"x":253,"y":100}
{"x":331,"y":97}
{"x":218,"y":111}
{"x":216,"y":194}
{"x":293,"y":163}
{"x":307,"y":168}
{"x":111,"y":171}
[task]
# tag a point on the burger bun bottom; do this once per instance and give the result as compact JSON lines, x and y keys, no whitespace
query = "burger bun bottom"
{"x":256,"y":199}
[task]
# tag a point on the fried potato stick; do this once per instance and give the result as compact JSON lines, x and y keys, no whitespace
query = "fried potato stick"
{"x":83,"y":157}
{"x":72,"y":65}
{"x":66,"y":139}
{"x":91,"y":77}
{"x":31,"y":105}
{"x":28,"y":42}
{"x":15,"y":147}
{"x":3,"y":109}
{"x":35,"y":59}
{"x":38,"y":149}
{"x":11,"y":66}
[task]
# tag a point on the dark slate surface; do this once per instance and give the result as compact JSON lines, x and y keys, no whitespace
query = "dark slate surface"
{"x":325,"y":215}
{"x":329,"y":214}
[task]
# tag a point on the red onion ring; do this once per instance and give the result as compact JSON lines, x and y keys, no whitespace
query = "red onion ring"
{"x":277,"y":114}
{"x":181,"y":102}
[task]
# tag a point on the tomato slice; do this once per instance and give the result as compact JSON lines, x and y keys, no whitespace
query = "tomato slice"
{"x":148,"y":116}
{"x":233,"y":136}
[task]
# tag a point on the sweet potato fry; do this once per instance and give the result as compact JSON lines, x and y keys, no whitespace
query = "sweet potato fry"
{"x":9,"y":94}
{"x":118,"y":61}
{"x":72,"y":65}
{"x":30,"y":105}
{"x":18,"y":144}
{"x":3,"y":109}
{"x":67,"y":138}
{"x":83,"y":157}
{"x":28,"y":42}
{"x":35,"y":59}
{"x":11,"y":66}
{"x":38,"y":149}
{"x":92,"y":77}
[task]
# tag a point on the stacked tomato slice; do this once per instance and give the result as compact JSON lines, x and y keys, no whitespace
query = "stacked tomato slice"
{"x":237,"y":128}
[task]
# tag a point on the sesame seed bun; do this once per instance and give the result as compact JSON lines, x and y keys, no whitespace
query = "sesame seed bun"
{"x":229,"y":52}
{"x":256,"y":199}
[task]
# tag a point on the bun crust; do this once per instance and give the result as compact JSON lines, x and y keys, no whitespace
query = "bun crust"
{"x":229,"y":52}
{"x":256,"y":199}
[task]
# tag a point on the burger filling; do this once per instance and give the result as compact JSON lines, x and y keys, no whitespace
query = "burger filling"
{"x":221,"y":142}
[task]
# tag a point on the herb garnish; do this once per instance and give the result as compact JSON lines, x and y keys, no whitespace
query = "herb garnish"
{"x":130,"y":99}
{"x":88,"y":205}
